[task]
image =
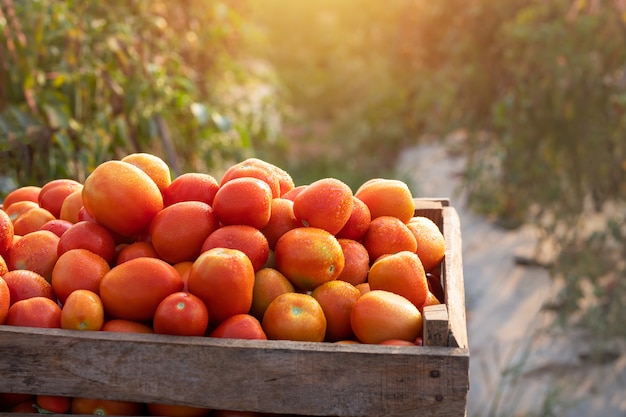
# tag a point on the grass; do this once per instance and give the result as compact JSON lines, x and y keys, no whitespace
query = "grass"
{"x":510,"y":382}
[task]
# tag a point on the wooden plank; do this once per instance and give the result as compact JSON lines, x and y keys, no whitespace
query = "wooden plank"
{"x":436,"y":326}
{"x":448,"y":220}
{"x":267,"y":376}
{"x":453,"y":278}
{"x":430,"y":208}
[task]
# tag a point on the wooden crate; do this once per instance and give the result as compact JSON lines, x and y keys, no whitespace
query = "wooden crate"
{"x":302,"y":378}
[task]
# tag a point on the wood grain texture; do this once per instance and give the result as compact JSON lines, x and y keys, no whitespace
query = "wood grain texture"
{"x":269,"y":376}
{"x":431,"y":208}
{"x":436,"y":326}
{"x":447,"y":218}
{"x":453,"y":278}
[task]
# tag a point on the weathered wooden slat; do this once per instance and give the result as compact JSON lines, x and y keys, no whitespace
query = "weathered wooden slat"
{"x":269,"y":376}
{"x":431,"y":208}
{"x":453,"y":278}
{"x":436,"y":326}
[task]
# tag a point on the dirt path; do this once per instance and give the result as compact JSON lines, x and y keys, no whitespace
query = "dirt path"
{"x":516,"y":369}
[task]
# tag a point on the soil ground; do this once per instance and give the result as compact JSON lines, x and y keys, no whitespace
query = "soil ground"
{"x":517,"y":366}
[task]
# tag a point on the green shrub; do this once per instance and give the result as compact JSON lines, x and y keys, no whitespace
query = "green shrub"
{"x":540,"y":86}
{"x":83,"y":82}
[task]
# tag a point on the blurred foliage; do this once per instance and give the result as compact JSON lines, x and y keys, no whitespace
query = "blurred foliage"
{"x":540,"y":88}
{"x":85,"y":81}
{"x":337,"y":64}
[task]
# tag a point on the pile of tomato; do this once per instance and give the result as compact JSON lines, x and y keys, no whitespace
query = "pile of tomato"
{"x":251,"y":255}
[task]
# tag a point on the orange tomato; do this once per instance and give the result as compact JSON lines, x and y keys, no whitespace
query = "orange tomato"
{"x":3,"y":266}
{"x":182,"y":314}
{"x":293,"y":193}
{"x":83,"y":215}
{"x":155,"y":167}
{"x":253,"y":168}
{"x":325,"y":204}
{"x":183,"y":269}
{"x":19,"y":207}
{"x":281,"y":220}
{"x":82,"y":310}
{"x":56,"y":226}
{"x":36,"y":251}
{"x":268,"y":284}
{"x":245,"y":238}
{"x":431,"y":245}
{"x":6,"y":233}
{"x":35,"y":312}
{"x":53,"y":194}
{"x":358,"y":222}
{"x":31,"y":220}
{"x":178,"y":231}
{"x":191,"y":186}
{"x":138,"y":249}
{"x":54,"y":404}
{"x":240,"y":326}
{"x":121,"y":197}
{"x":285,"y":181}
{"x":363,"y":288}
{"x":398,"y":342}
{"x":337,"y":298}
{"x":25,"y":284}
{"x":71,"y":206}
{"x":25,"y":193}
{"x":224,"y":279}
{"x":431,"y":300}
{"x":134,"y":289}
{"x":380,"y":315}
{"x":401,"y":273}
{"x":5,"y":300}
{"x":78,"y":269}
{"x":126,"y":326}
{"x":356,"y":262}
{"x":244,"y":200}
{"x":27,"y":407}
{"x":387,"y":197}
{"x":294,"y":316}
{"x":90,"y":236}
{"x":387,"y":235}
{"x":308,"y":257}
